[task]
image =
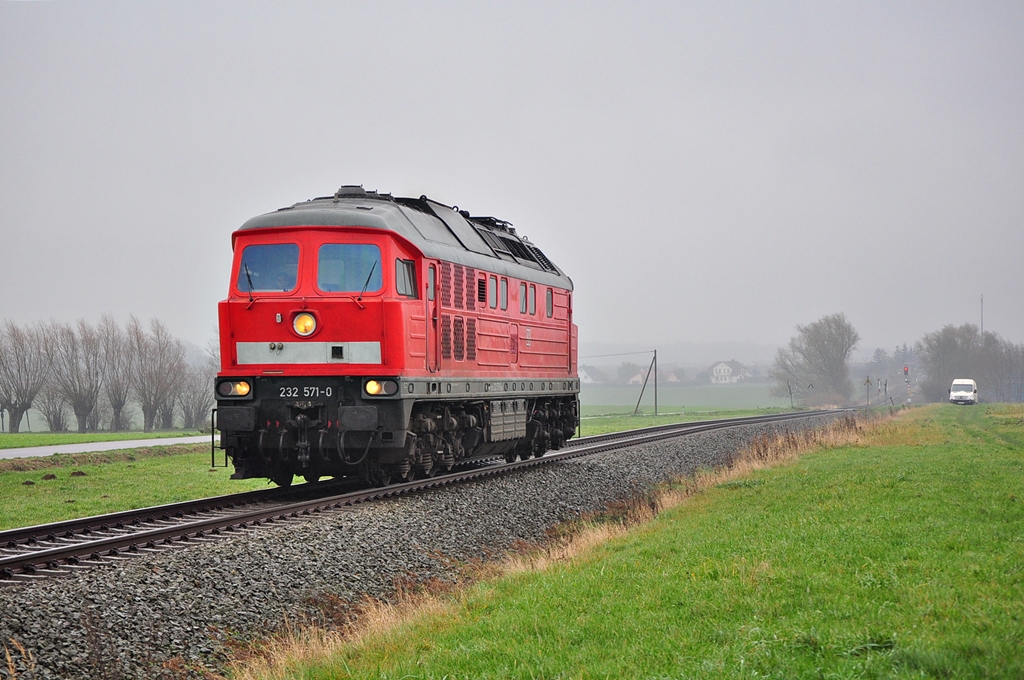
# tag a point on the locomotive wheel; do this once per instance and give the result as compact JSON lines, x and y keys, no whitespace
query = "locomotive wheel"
{"x":311,"y":477}
{"x":405,"y":471}
{"x":382,"y":475}
{"x":282,"y":477}
{"x":511,"y":456}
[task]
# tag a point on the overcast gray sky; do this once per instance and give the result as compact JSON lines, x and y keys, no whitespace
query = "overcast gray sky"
{"x":705,"y":172}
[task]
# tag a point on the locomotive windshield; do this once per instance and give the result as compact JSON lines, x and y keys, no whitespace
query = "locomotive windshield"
{"x":349,"y":268}
{"x":267,"y":268}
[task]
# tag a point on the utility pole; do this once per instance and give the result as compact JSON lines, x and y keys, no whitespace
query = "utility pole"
{"x":655,"y":382}
{"x":867,"y":391}
{"x":982,"y":318}
{"x":652,"y":367}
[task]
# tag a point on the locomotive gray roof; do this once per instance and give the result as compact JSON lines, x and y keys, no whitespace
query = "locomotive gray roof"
{"x":439,"y":231}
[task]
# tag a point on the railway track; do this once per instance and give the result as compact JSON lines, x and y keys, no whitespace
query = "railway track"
{"x":61,"y":548}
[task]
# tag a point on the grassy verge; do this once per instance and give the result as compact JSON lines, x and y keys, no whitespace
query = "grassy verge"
{"x":27,"y":439}
{"x":895,"y":551}
{"x":53,"y":488}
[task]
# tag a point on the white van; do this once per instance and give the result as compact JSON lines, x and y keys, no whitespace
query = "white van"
{"x":963,"y":391}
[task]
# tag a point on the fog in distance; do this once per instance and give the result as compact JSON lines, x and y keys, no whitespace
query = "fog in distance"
{"x":714,"y":173}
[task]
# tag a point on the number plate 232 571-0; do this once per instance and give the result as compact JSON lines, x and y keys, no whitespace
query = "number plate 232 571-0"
{"x":294,"y":392}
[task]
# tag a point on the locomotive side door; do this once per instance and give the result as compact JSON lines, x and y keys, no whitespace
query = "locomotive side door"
{"x":432,"y":349}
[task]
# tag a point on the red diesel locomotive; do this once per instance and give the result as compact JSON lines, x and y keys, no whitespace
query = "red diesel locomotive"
{"x":386,"y":337}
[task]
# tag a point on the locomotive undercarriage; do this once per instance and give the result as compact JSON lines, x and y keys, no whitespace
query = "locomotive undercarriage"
{"x":387,"y":441}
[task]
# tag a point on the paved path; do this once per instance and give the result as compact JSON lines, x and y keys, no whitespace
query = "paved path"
{"x":100,"y":446}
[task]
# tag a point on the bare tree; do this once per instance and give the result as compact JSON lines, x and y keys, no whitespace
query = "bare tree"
{"x":165,"y":411}
{"x":100,"y":415}
{"x":815,"y":368}
{"x":77,"y":367}
{"x":197,"y":395}
{"x":117,"y":365}
{"x":158,"y":367}
{"x":54,"y":407}
{"x":24,"y":366}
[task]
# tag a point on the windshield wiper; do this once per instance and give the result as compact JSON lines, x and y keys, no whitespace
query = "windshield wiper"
{"x":248,"y":278}
{"x":367,"y":284}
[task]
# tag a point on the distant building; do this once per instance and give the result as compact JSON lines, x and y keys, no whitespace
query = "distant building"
{"x":725,"y":372}
{"x":594,"y":375}
{"x":637,"y":379}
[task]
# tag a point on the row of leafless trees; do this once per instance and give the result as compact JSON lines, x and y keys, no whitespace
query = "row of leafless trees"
{"x":97,"y":372}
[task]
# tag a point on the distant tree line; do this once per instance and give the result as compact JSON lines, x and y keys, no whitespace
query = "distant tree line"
{"x":95,"y":373}
{"x":814,"y":369}
{"x":964,"y":352}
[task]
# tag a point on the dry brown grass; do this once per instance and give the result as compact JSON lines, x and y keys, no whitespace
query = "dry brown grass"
{"x":352,"y":624}
{"x":11,"y":658}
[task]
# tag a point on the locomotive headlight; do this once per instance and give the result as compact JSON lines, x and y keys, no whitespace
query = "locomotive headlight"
{"x":234,"y":388}
{"x":304,"y":324}
{"x":377,"y":388}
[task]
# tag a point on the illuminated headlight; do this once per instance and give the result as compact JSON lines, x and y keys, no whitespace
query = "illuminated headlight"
{"x":304,"y":324}
{"x":381,"y":388}
{"x":234,"y":388}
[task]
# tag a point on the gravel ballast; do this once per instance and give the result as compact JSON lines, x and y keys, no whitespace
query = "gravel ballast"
{"x":153,"y":615}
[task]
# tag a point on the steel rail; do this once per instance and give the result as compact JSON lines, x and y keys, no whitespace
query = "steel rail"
{"x":54,"y":530}
{"x":48,"y":561}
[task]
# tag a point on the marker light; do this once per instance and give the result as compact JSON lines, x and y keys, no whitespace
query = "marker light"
{"x":238,"y":388}
{"x":376,"y":388}
{"x":304,"y":324}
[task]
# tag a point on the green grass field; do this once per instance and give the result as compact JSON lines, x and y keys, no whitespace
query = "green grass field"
{"x":116,"y":480}
{"x":26,"y":439}
{"x":901,"y":556}
{"x":602,"y":419}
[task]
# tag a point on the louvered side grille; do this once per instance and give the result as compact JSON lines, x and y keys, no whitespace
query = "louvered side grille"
{"x":470,"y":298}
{"x":446,"y":284}
{"x":459,"y":286}
{"x":471,"y":339}
{"x":460,"y":338}
{"x":446,"y":336}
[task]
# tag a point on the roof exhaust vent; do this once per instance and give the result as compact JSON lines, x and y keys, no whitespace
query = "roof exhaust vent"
{"x":349,"y":190}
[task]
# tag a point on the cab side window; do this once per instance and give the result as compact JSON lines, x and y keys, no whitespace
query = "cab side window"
{"x":522,"y":298}
{"x":504,"y":293}
{"x":550,"y":303}
{"x":492,"y":292}
{"x":405,"y":278}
